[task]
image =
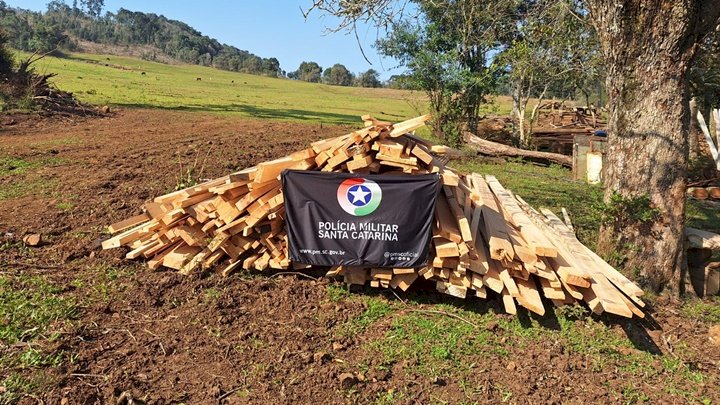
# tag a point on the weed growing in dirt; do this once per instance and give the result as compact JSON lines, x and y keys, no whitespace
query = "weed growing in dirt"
{"x":13,"y":166}
{"x":191,"y":175}
{"x":30,"y":309}
{"x":390,"y":397}
{"x":631,"y":395}
{"x":100,"y":280}
{"x":18,"y":386}
{"x":32,"y":358}
{"x":212,"y":294}
{"x":65,"y":206}
{"x":337,"y":292}
{"x":706,"y":310}
{"x":16,"y":246}
{"x":29,"y":306}
{"x":36,"y":186}
{"x":438,"y":344}
{"x":376,"y":309}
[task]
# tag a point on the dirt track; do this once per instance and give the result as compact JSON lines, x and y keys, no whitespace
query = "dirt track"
{"x":164,"y":338}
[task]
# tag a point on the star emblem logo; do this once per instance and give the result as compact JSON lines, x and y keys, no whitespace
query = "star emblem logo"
{"x":359,"y":195}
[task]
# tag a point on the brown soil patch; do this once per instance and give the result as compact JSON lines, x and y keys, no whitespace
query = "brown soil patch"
{"x":163,"y":338}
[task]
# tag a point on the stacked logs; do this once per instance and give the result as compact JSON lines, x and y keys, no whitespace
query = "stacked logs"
{"x":484,"y":237}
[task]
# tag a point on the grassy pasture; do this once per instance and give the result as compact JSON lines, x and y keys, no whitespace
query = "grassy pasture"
{"x":130,"y":82}
{"x":119,"y":81}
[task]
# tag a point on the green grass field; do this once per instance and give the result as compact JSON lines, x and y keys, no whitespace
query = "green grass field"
{"x":119,"y":81}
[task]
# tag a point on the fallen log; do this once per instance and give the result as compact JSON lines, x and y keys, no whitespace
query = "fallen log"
{"x":491,"y":148}
{"x":700,"y":239}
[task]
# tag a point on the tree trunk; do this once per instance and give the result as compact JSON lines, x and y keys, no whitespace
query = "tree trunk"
{"x":648,"y":47}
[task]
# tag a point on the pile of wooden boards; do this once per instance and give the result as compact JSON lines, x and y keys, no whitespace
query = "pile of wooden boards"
{"x":484,"y":238}
{"x":555,"y":130}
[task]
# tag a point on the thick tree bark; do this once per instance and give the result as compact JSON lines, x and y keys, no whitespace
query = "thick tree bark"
{"x":648,"y":46}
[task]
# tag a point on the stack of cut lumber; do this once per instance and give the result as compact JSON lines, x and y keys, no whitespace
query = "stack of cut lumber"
{"x":484,"y":237}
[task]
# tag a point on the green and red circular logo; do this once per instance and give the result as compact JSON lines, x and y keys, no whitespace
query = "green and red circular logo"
{"x":358,"y":196}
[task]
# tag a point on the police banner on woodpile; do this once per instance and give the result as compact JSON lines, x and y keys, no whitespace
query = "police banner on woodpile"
{"x":359,"y":220}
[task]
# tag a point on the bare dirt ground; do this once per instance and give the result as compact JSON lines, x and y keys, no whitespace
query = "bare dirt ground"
{"x":162,"y":338}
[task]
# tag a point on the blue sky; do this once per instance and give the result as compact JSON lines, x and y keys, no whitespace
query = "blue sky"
{"x":266,"y":28}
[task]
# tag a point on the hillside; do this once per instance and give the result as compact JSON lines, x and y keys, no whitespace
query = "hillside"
{"x":131,"y":82}
{"x":151,"y":36}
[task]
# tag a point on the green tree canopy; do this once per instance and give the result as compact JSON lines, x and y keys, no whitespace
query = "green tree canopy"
{"x":369,"y":78}
{"x":308,"y":72}
{"x":338,"y":75}
{"x":447,"y":53}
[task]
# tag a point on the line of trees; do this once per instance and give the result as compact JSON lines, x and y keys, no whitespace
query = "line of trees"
{"x":337,"y":75}
{"x":62,"y":24}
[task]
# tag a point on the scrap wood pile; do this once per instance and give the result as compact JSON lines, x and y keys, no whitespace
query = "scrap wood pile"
{"x":557,"y":128}
{"x":26,"y":82}
{"x":484,"y":238}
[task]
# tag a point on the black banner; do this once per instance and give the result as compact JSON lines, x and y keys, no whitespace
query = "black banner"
{"x":359,"y":220}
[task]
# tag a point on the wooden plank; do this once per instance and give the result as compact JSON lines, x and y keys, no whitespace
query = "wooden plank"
{"x":550,"y":292}
{"x":459,"y":216}
{"x":193,"y":236}
{"x":227,"y":270}
{"x":509,"y":283}
{"x":700,"y":239}
{"x":496,"y":229}
{"x":140,"y":250}
{"x":268,"y":171}
{"x":156,"y":210}
{"x":445,"y":248}
{"x":508,"y":302}
{"x":303,"y":154}
{"x":195,"y":262}
{"x":602,"y":273}
{"x":410,"y":125}
{"x":128,"y":223}
{"x":403,"y":281}
{"x":243,"y":175}
{"x":422,"y":153}
{"x":445,"y":222}
{"x":492,"y":278}
{"x":529,"y":296}
{"x":157,"y":261}
{"x":180,"y":255}
{"x":529,"y":231}
{"x":190,"y":191}
{"x":129,"y":235}
{"x":402,"y":159}
{"x":453,"y":290}
{"x":212,"y":259}
{"x":244,"y":202}
{"x":359,"y":163}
